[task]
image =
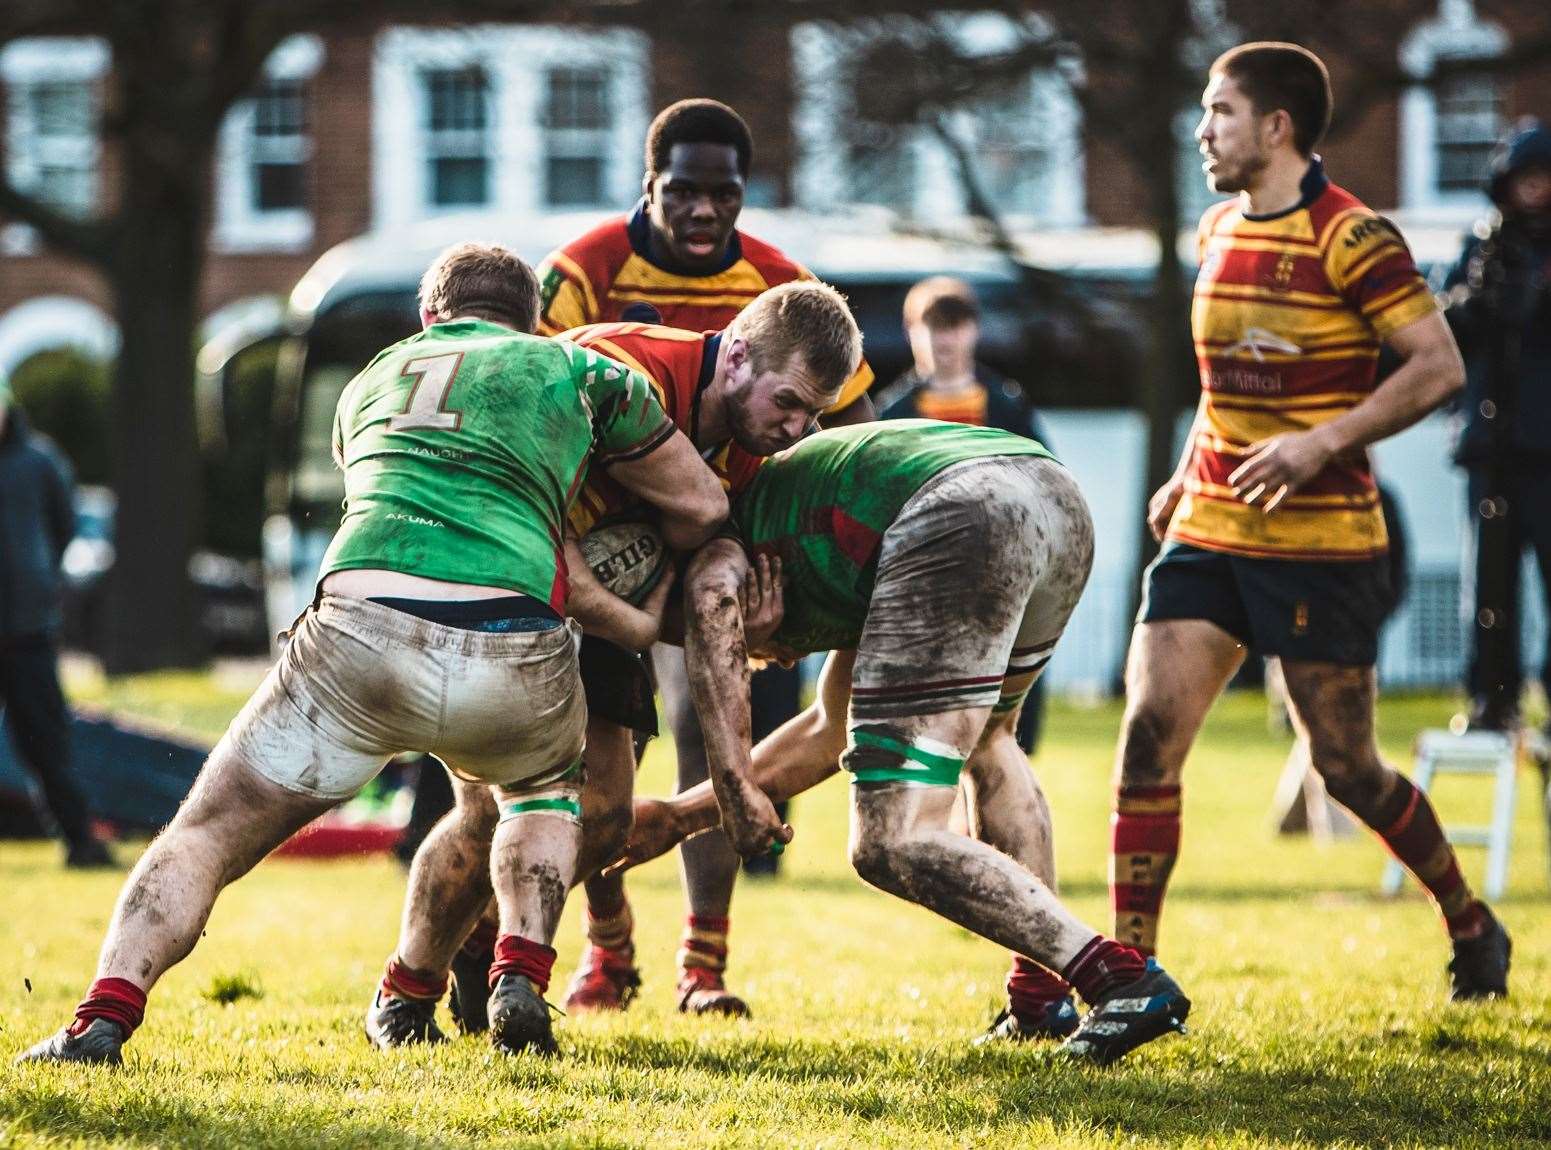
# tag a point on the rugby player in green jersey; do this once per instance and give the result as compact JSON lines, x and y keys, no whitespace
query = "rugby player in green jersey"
{"x":940,"y":563}
{"x":439,"y":626}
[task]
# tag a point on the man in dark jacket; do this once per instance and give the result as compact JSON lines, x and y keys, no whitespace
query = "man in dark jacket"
{"x":1499,"y":305}
{"x":37,"y":521}
{"x":942,"y":323}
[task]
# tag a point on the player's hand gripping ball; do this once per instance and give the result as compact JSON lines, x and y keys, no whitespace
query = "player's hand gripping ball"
{"x":627,"y":556}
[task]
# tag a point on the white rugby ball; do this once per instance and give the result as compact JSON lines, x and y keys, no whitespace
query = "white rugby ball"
{"x":627,"y":556}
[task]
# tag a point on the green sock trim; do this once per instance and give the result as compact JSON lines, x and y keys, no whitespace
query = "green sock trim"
{"x":510,"y":808}
{"x":920,"y":766}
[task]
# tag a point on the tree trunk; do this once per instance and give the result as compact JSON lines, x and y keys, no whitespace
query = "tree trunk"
{"x":154,"y":274}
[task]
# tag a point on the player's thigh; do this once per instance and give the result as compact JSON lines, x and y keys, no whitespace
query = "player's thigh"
{"x":234,"y":816}
{"x":955,"y":572}
{"x":609,"y":778}
{"x":515,"y":709}
{"x":298,"y":730}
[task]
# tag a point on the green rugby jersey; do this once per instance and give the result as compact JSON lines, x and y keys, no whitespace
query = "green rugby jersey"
{"x":824,"y":504}
{"x":464,"y":445}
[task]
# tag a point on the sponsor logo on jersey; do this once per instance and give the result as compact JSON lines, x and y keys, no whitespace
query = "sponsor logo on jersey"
{"x":1257,"y":341}
{"x":418,"y":520}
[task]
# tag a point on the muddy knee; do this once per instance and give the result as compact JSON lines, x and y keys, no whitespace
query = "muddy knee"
{"x":872,"y":857}
{"x":1146,"y":748}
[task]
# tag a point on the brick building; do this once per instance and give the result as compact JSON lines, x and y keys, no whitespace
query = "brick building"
{"x":385,"y":126}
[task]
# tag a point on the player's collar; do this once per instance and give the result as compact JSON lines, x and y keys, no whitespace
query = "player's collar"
{"x":639,"y":228}
{"x":1310,"y":188}
{"x":709,"y":350}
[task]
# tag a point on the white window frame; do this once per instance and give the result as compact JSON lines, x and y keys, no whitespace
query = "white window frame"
{"x":573,"y":143}
{"x":239,"y":226}
{"x":516,"y":59}
{"x":51,"y":59}
{"x":821,"y":176}
{"x":1457,"y":33}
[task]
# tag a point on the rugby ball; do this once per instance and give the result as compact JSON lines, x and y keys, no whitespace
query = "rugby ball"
{"x":627,"y":556}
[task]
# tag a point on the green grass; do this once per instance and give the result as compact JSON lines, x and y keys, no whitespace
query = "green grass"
{"x":1319,"y":1016}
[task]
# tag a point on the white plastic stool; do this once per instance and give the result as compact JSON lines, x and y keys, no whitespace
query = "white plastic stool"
{"x":1474,"y":753}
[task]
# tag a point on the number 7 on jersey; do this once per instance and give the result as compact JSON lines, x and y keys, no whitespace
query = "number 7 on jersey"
{"x":434,"y":380}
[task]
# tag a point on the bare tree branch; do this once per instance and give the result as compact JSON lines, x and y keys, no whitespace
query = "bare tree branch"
{"x":88,"y":239}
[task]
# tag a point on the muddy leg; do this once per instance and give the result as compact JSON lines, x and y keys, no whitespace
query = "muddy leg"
{"x":900,"y":843}
{"x":230,"y":821}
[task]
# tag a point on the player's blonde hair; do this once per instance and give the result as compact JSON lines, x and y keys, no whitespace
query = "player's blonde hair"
{"x":806,"y":318}
{"x":485,"y":280}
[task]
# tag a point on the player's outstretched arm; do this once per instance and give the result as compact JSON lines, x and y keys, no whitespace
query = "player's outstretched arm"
{"x":716,"y":655}
{"x":795,"y":757}
{"x":674,"y":479}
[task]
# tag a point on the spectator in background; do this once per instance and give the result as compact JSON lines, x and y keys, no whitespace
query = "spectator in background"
{"x":37,"y":522}
{"x":942,"y":322}
{"x":1498,"y":302}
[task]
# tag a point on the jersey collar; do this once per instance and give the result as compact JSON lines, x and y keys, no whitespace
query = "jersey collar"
{"x":639,"y":229}
{"x":1311,"y":188}
{"x":710,"y":349}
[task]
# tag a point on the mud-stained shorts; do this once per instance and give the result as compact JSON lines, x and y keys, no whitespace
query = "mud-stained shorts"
{"x":976,"y":579}
{"x":360,"y":682}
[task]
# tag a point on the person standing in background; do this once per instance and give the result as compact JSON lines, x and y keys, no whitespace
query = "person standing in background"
{"x":37,"y":522}
{"x":947,"y":382}
{"x":1498,"y":303}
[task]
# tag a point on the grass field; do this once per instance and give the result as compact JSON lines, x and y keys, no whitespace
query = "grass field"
{"x":1319,"y":1016}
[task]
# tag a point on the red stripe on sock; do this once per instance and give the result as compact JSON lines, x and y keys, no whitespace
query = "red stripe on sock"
{"x":1102,"y":967}
{"x":116,"y":999}
{"x":1415,"y":839}
{"x":1031,"y":988}
{"x":400,"y":981}
{"x":706,"y":923}
{"x":517,"y":955}
{"x":1147,"y":834}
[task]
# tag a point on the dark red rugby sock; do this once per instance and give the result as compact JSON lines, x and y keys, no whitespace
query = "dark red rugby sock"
{"x":400,"y":981}
{"x":1409,"y":826}
{"x":116,"y":999}
{"x":1102,"y":967}
{"x":1143,"y":846}
{"x":517,"y":955}
{"x":1031,"y":988}
{"x":704,"y":944}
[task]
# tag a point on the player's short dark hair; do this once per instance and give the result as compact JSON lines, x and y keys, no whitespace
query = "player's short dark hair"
{"x":697,"y":122}
{"x":484,"y":280}
{"x":941,"y":301}
{"x":1283,"y":77}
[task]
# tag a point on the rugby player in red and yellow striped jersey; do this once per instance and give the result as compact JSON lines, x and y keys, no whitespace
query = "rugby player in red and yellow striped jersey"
{"x":678,"y":258}
{"x":1273,"y":537}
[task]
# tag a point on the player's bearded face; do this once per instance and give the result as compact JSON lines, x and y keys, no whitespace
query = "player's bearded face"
{"x":1230,"y":137}
{"x":694,"y":203}
{"x":770,"y":410}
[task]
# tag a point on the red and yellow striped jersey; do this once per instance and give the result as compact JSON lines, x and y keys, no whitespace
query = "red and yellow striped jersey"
{"x":1288,"y":316}
{"x":678,"y":364}
{"x":606,"y":275}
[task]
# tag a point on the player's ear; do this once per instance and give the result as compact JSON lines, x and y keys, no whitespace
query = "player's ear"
{"x":737,"y":354}
{"x":427,"y":317}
